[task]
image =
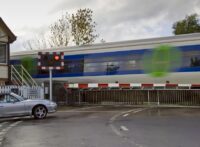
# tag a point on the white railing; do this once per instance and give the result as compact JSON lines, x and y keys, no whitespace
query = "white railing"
{"x":20,"y":76}
{"x":24,"y":91}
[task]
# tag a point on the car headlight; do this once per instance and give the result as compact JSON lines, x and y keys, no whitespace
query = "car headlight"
{"x":53,"y":104}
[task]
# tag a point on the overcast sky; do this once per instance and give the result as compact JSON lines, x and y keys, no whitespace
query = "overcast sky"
{"x":116,"y":19}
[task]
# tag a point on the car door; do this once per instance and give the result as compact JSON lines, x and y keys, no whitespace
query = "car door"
{"x":2,"y":101}
{"x":1,"y":109}
{"x":13,"y":106}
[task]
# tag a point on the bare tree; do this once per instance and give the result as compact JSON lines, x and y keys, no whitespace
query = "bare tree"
{"x":60,"y":32}
{"x":28,"y":45}
{"x":39,"y":42}
{"x":80,"y":26}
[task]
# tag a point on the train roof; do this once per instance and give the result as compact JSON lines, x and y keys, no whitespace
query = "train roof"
{"x":119,"y":44}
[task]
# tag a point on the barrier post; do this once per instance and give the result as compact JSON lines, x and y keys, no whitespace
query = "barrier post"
{"x":158,"y":97}
{"x":148,"y":98}
{"x":50,"y":85}
{"x":79,"y":97}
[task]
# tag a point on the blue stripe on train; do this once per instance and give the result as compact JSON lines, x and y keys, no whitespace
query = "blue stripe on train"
{"x":60,"y":75}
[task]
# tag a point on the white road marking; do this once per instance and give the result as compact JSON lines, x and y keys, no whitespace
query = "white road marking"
{"x":138,"y":110}
{"x":118,"y":133}
{"x":16,"y":123}
{"x":14,"y":118}
{"x":112,"y":119}
{"x":5,"y":130}
{"x":129,"y":111}
{"x":114,"y":129}
{"x":125,"y":115}
{"x":124,"y":128}
{"x":3,"y":123}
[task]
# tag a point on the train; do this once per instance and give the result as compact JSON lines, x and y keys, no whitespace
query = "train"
{"x":121,"y":62}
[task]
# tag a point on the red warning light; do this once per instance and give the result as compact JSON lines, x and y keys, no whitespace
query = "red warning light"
{"x":56,"y":57}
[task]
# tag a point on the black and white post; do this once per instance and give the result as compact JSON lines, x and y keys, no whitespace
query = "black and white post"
{"x":50,"y":84}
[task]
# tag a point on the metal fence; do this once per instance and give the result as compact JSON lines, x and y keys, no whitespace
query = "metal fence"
{"x":24,"y":91}
{"x":185,"y":97}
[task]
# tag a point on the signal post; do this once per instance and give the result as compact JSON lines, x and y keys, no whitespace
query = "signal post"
{"x":51,"y":61}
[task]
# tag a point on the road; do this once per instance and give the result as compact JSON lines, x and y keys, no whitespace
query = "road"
{"x":107,"y":127}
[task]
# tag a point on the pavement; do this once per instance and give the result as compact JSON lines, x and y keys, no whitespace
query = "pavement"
{"x":105,"y":126}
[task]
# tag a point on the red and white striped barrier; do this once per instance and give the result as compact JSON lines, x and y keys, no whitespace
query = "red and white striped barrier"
{"x":129,"y":85}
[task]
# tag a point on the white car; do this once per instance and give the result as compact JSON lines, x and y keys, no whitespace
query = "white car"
{"x":13,"y":105}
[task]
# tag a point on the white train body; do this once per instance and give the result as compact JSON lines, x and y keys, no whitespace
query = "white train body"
{"x":90,"y":63}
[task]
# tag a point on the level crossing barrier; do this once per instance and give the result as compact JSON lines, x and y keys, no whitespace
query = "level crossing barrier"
{"x":137,"y":94}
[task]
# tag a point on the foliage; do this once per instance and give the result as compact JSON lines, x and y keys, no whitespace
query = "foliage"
{"x":78,"y":28}
{"x":190,"y":24}
{"x":83,"y":27}
{"x":29,"y":64}
{"x":60,"y":32}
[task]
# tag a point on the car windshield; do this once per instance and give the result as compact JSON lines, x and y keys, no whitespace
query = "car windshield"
{"x":18,"y":96}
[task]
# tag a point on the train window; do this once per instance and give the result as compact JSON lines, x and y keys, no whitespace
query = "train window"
{"x":191,"y":59}
{"x":112,"y":67}
{"x":132,"y":62}
{"x":195,"y":61}
{"x":106,"y":64}
{"x":113,"y":58}
{"x":113,"y":64}
{"x":95,"y":67}
{"x":74,"y":66}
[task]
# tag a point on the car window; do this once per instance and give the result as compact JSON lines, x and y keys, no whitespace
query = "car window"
{"x":17,"y":96}
{"x":11,"y":99}
{"x":2,"y":99}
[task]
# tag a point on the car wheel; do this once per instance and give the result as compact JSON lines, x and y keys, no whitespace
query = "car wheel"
{"x":40,"y":112}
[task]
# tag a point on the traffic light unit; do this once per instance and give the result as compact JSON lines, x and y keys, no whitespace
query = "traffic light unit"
{"x":51,"y":60}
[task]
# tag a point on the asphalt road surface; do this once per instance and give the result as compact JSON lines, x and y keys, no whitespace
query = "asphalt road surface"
{"x":105,"y":127}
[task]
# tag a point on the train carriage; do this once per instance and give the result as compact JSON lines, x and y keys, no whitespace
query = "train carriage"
{"x":121,"y":62}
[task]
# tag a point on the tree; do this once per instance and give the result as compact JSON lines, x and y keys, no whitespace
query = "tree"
{"x":60,"y":32}
{"x":39,"y":42}
{"x":78,"y":26}
{"x":102,"y":41}
{"x":83,"y":27}
{"x":30,"y":64}
{"x":191,"y":24}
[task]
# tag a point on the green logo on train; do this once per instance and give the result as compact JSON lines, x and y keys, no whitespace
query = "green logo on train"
{"x":162,"y":60}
